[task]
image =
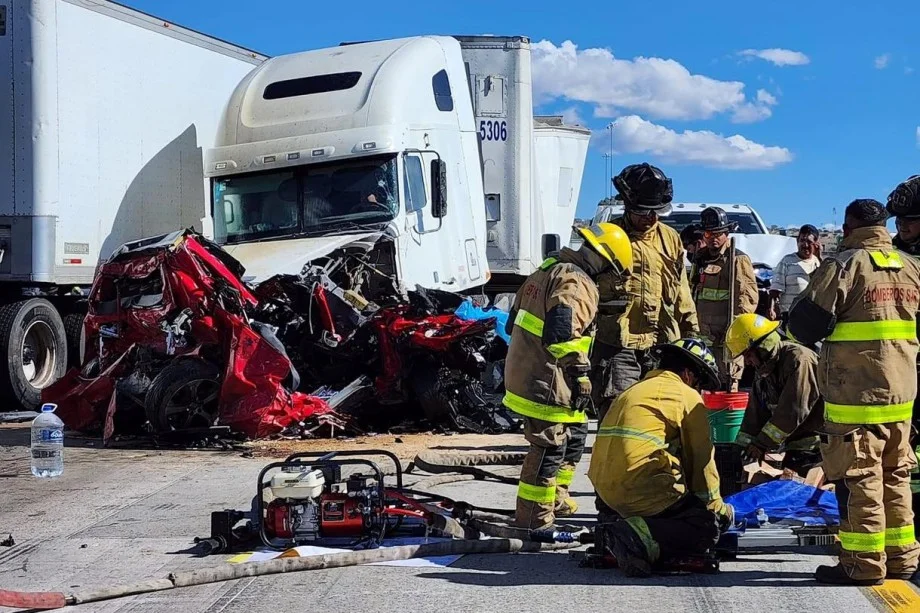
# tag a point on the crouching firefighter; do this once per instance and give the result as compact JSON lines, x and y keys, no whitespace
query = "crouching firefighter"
{"x":547,"y":368}
{"x":863,"y":303}
{"x":653,"y":464}
{"x":785,"y":409}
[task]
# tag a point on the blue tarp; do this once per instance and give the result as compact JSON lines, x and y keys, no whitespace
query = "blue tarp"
{"x":786,"y":500}
{"x":472,"y":312}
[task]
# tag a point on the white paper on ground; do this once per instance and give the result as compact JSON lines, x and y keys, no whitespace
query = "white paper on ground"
{"x":309,"y":550}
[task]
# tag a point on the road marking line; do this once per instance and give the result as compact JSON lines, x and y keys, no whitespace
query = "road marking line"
{"x":899,"y":596}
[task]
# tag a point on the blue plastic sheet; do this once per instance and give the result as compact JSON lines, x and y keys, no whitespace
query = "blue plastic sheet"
{"x":786,"y":500}
{"x":472,"y":312}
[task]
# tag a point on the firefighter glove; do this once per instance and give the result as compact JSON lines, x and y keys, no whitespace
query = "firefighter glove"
{"x":582,"y":391}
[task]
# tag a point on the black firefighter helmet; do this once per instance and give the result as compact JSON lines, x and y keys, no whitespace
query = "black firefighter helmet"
{"x":904,"y":201}
{"x":644,"y":188}
{"x":714,"y":219}
{"x":697,"y":357}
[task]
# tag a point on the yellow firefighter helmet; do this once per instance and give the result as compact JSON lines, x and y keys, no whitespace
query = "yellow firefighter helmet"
{"x":611,"y":243}
{"x":747,"y":331}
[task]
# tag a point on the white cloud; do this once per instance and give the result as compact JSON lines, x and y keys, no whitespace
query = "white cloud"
{"x":633,"y":134}
{"x":918,"y":136}
{"x":882,"y":61}
{"x":659,"y":88}
{"x":908,"y":70}
{"x":572,"y":117}
{"x":751,"y":112}
{"x":765,"y":97}
{"x":780,"y":57}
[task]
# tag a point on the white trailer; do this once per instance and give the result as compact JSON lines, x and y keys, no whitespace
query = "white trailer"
{"x":532,"y":166}
{"x":377,"y":138}
{"x":105,"y":112}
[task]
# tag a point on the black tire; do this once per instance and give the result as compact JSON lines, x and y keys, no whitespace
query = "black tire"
{"x":33,"y":336}
{"x":184,"y":395}
{"x":73,"y":329}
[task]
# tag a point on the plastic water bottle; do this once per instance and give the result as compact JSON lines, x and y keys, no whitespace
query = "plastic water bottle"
{"x":47,"y":443}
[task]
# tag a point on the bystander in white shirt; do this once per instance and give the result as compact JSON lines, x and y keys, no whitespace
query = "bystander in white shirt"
{"x":791,"y":275}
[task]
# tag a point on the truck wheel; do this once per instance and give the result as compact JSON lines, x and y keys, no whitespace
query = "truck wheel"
{"x":73,"y":328}
{"x":184,"y":395}
{"x":33,"y":335}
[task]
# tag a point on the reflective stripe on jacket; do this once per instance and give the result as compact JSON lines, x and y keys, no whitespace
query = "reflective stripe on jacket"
{"x":785,"y":408}
{"x":710,"y":278}
{"x":864,"y":302}
{"x":653,"y":448}
{"x":655,"y":299}
{"x":550,"y":333}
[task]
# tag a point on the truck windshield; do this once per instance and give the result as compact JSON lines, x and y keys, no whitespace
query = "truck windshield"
{"x":747,"y":223}
{"x":309,"y":199}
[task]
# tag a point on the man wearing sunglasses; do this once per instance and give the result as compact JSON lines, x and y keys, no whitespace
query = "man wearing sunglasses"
{"x":711,"y":281}
{"x":651,"y":306}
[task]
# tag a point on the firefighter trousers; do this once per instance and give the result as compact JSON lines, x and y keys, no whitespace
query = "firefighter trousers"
{"x":613,"y":370}
{"x":555,"y":450}
{"x":685,"y":528}
{"x":870,"y":468}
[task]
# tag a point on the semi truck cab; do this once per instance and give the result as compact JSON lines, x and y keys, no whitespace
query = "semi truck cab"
{"x":353,"y":141}
{"x":429,"y":142}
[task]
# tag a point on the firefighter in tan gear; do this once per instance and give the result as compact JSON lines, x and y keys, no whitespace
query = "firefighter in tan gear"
{"x":785,"y":409}
{"x":863,"y":303}
{"x":654,"y":304}
{"x":653,"y":464}
{"x":547,"y":367}
{"x":711,"y":283}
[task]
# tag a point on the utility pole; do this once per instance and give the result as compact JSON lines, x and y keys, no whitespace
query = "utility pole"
{"x":610,"y":178}
{"x":608,"y":164}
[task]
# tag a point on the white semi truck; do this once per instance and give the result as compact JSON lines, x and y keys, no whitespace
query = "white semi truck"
{"x":429,"y":142}
{"x":104,"y":114}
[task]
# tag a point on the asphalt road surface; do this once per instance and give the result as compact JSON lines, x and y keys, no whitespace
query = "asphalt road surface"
{"x":120,"y":516}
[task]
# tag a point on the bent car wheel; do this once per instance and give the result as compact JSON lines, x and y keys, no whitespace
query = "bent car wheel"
{"x":184,"y":395}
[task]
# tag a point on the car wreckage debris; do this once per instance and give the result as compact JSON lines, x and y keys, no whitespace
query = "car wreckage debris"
{"x":179,"y":347}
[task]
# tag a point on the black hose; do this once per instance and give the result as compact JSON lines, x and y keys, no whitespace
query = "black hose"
{"x":504,"y":512}
{"x":467,"y":463}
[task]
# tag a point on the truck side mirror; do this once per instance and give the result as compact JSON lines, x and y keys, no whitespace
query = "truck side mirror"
{"x":551,"y":244}
{"x":438,"y":188}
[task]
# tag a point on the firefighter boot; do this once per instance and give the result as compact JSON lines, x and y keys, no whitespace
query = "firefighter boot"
{"x":633,"y":547}
{"x":837,"y":575}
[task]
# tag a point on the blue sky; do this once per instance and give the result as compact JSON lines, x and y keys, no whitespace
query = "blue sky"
{"x":793,"y":107}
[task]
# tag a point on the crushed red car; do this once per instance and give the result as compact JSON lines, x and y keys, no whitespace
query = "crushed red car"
{"x":170,"y":348}
{"x":176,"y":343}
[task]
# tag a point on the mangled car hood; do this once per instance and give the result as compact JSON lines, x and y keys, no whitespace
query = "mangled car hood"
{"x":266,"y":259}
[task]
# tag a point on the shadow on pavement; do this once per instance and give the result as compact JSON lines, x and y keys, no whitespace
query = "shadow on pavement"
{"x":524,"y":570}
